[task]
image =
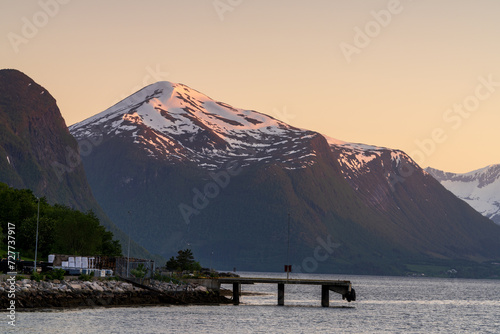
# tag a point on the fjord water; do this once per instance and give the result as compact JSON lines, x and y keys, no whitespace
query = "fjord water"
{"x":384,"y":305}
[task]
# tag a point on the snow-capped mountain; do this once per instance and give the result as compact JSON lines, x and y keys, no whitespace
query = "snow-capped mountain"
{"x":159,"y":163}
{"x":176,"y":123}
{"x":479,"y":188}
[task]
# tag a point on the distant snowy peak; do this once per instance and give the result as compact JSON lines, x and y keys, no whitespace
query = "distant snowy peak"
{"x":174,"y":122}
{"x":484,"y":176}
{"x":479,"y":188}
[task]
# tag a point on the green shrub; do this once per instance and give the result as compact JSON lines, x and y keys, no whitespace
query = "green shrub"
{"x":55,"y":274}
{"x":36,"y":276}
{"x":159,"y":277}
{"x":85,"y":277}
{"x":140,"y":271}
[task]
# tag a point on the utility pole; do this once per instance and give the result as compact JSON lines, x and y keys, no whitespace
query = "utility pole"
{"x":289,"y":267}
{"x":128,"y":248}
{"x":36,"y":242}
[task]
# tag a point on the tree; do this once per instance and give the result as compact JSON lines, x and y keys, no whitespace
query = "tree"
{"x":80,"y":233}
{"x":110,"y":247}
{"x":184,"y":262}
{"x":26,"y":235}
{"x":61,"y":229}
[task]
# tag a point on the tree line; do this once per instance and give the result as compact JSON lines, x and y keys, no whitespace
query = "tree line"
{"x":61,"y":230}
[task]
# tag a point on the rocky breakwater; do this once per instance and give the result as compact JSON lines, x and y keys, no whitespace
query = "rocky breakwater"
{"x":30,"y":294}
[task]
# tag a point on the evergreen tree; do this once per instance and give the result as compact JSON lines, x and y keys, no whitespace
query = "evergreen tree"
{"x":184,"y":262}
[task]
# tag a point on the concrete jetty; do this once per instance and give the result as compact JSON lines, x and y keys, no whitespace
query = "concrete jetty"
{"x":342,"y":287}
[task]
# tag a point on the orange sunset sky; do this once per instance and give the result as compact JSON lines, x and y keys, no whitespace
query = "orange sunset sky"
{"x":422,"y":76}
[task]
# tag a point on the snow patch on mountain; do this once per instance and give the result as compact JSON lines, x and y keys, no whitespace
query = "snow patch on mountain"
{"x":357,"y":156}
{"x":359,"y":162}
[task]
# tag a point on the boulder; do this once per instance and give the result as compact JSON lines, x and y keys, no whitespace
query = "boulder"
{"x":46,"y":285}
{"x":201,"y":288}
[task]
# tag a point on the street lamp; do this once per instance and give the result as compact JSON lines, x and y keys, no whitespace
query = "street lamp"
{"x":36,"y":242}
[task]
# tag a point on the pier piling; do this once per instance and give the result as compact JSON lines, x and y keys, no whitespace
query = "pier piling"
{"x":236,"y":293}
{"x":325,"y":296}
{"x":281,"y":294}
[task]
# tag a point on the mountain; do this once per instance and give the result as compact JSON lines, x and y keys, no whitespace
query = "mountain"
{"x":37,"y":151}
{"x":34,"y":140}
{"x":176,"y":124}
{"x":187,"y":171}
{"x":479,"y":188}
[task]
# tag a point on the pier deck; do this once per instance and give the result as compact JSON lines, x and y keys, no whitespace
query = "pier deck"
{"x":342,"y":287}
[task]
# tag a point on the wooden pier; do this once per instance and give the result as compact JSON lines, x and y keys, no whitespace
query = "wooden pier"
{"x":342,"y":287}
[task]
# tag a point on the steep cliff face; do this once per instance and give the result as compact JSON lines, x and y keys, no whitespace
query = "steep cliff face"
{"x":38,"y":152}
{"x":36,"y":149}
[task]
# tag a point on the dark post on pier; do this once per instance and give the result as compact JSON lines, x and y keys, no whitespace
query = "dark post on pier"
{"x":344,"y":288}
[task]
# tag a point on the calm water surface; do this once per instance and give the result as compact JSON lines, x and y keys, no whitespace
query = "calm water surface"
{"x":384,"y":305}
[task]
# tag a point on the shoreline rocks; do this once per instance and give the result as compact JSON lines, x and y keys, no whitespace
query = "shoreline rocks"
{"x":31,"y":295}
